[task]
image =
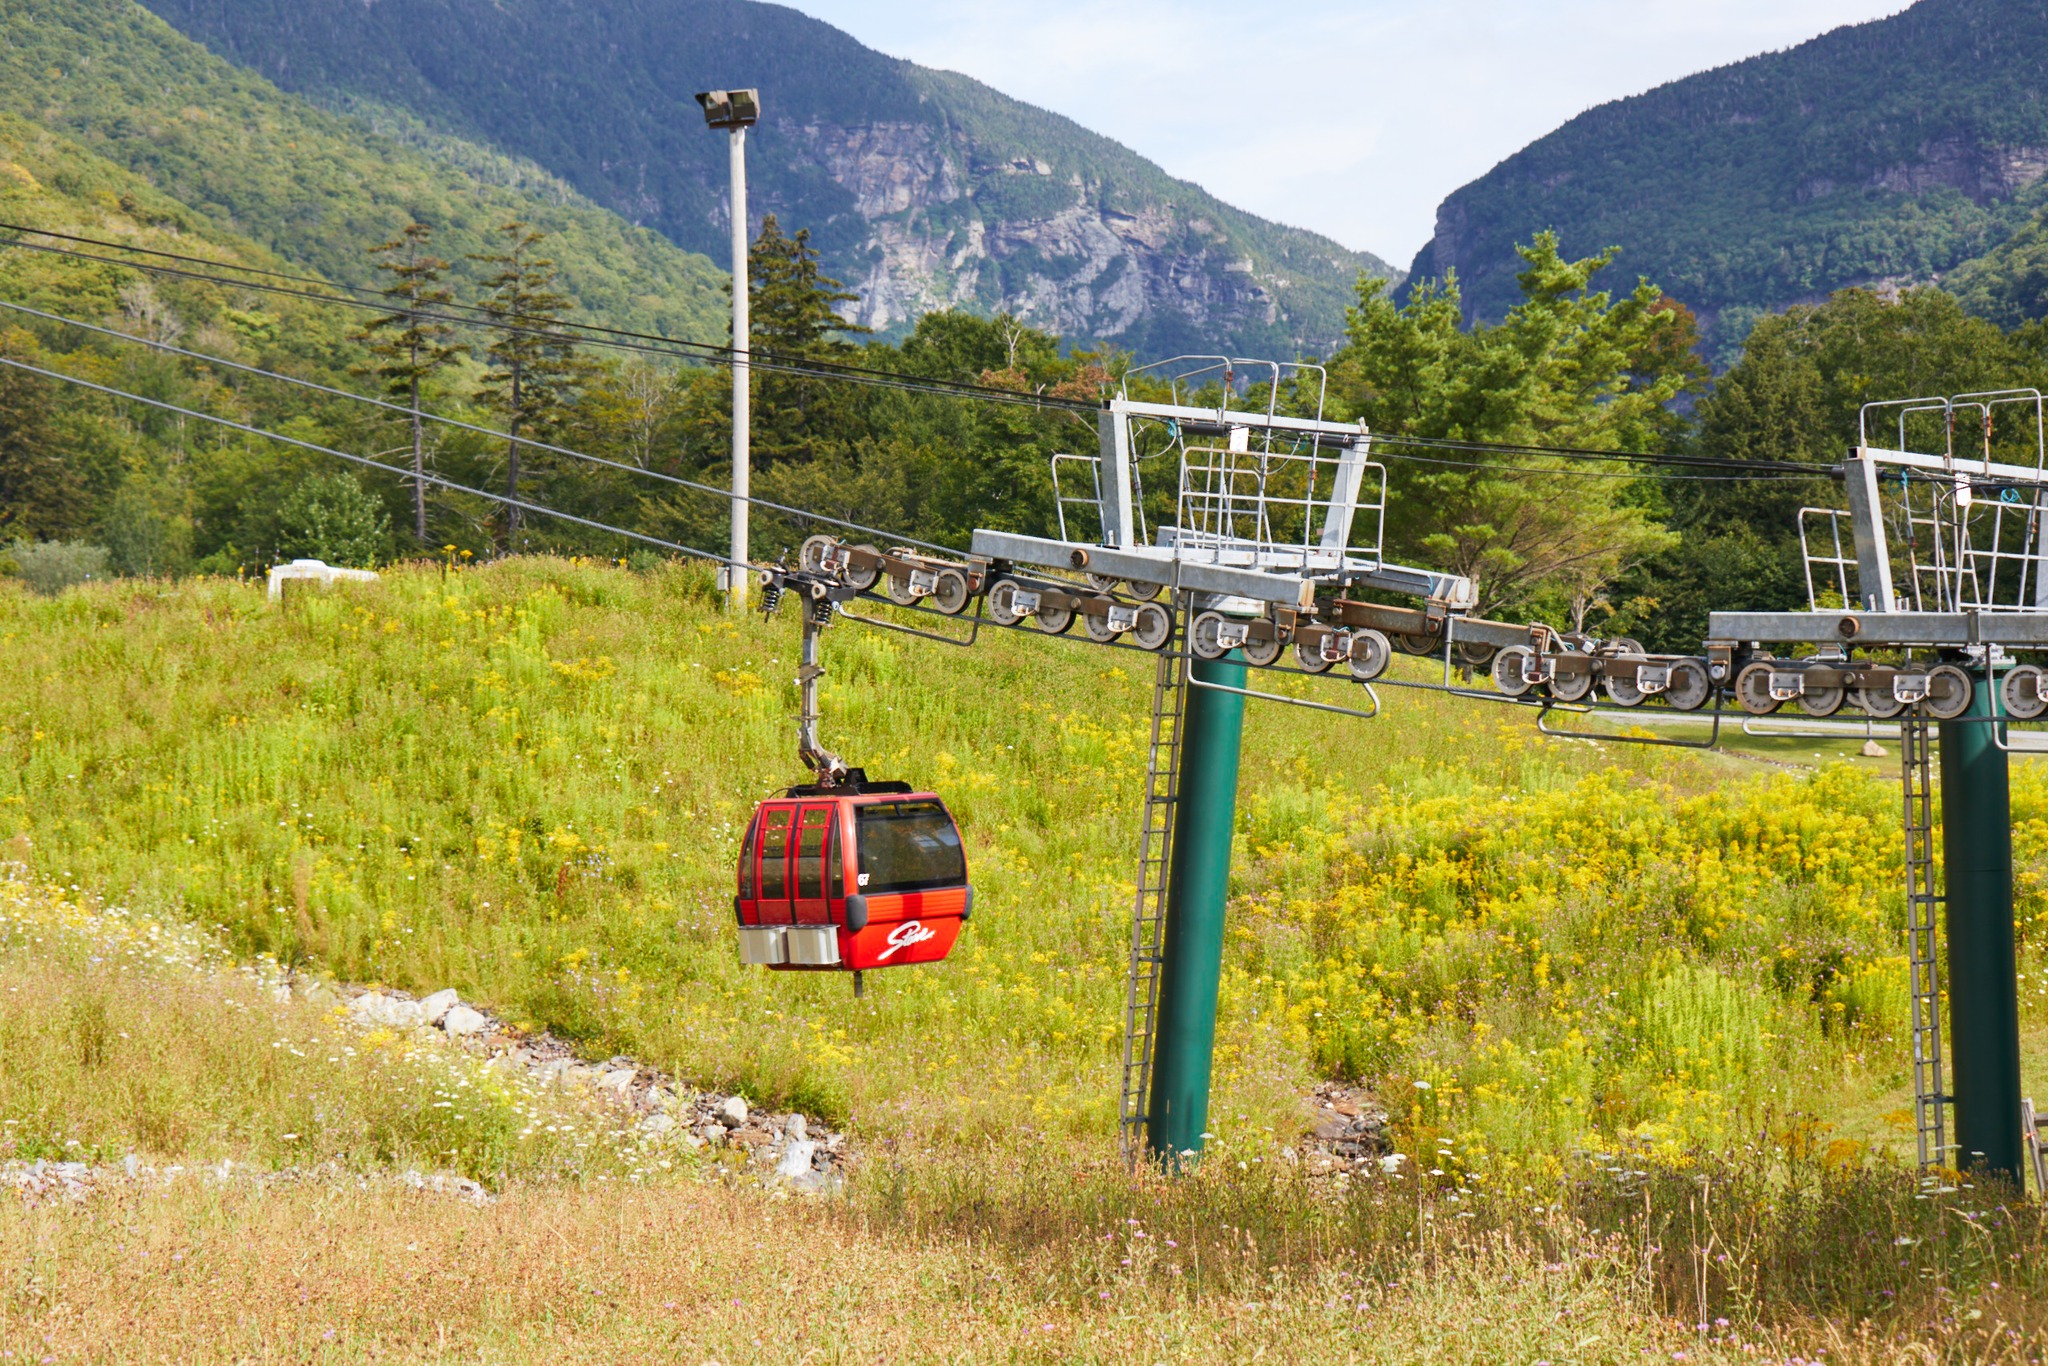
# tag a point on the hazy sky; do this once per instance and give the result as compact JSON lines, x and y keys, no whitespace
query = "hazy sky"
{"x":1351,"y":117}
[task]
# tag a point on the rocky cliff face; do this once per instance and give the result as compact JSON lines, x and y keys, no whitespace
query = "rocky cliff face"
{"x":946,"y":228}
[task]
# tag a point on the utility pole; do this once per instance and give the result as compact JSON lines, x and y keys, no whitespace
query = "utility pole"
{"x":1984,"y":1021}
{"x":736,"y":111}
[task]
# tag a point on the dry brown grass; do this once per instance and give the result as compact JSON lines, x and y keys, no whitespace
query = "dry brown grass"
{"x":694,"y":1273}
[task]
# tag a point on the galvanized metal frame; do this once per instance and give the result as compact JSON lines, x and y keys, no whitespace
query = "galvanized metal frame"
{"x":1265,"y":517}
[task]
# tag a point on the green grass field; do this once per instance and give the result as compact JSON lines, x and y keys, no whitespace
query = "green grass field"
{"x":1558,"y":963}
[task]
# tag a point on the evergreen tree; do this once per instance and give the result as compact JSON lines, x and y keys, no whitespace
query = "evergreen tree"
{"x":792,"y":302}
{"x":410,"y":344}
{"x":535,"y":371}
{"x":41,"y":495}
{"x":793,"y":315}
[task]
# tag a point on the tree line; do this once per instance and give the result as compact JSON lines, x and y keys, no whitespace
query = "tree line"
{"x":1609,"y":547}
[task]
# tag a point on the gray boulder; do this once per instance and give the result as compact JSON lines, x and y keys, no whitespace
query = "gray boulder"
{"x":462,"y":1020}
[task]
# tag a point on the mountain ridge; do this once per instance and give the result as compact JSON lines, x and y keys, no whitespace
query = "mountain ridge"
{"x":299,"y":182}
{"x":923,"y":189}
{"x":1889,"y":151}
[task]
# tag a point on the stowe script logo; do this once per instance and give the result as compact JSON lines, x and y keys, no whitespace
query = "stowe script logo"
{"x":904,"y":935}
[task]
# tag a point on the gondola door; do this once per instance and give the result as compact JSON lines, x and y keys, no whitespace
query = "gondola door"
{"x":777,"y":907}
{"x":813,"y":832}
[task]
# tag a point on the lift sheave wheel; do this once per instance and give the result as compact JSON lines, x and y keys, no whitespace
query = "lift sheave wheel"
{"x":902,"y":590}
{"x":1052,"y":620}
{"x":1753,"y":688}
{"x":2020,"y":691}
{"x":1470,"y":654}
{"x":1822,"y":701}
{"x":1371,"y":652}
{"x":1510,"y":670}
{"x":1689,"y":686}
{"x":1261,"y":652}
{"x":1002,"y":602}
{"x":1212,"y":635}
{"x":1100,"y":629}
{"x":1571,"y":687}
{"x":1308,"y":656}
{"x":1948,"y":692}
{"x":1154,"y":630}
{"x":862,"y":579}
{"x":949,"y":592}
{"x":1623,"y":690}
{"x":1877,"y":701}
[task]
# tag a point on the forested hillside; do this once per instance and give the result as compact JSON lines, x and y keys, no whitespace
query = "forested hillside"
{"x":2008,"y":284}
{"x":1887,"y":151}
{"x":315,"y":188}
{"x":925,"y":190}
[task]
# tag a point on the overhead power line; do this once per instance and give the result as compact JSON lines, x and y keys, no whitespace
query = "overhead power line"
{"x":621,"y":339}
{"x":402,"y":473}
{"x":1763,"y":468}
{"x":475,"y":315}
{"x":529,"y":442}
{"x":1752,"y":478}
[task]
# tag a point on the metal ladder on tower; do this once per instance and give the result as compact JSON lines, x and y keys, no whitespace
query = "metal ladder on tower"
{"x":1148,"y":910}
{"x":1923,"y":904}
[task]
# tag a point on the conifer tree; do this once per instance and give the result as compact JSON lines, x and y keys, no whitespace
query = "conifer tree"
{"x":535,"y":370}
{"x":794,"y":316}
{"x":793,"y":303}
{"x":41,"y":495}
{"x":410,"y":344}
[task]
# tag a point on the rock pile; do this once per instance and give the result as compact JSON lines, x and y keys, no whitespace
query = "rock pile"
{"x":791,"y":1151}
{"x":1350,"y":1132}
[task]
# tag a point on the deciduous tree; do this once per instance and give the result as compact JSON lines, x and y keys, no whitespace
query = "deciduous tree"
{"x":1568,"y":366}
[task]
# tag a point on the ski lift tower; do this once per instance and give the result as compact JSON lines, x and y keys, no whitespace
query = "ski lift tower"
{"x":1946,"y":529}
{"x":1270,"y":511}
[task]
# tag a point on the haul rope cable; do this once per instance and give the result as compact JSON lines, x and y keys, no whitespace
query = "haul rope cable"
{"x":422,"y":413}
{"x":505,"y":499}
{"x":652,"y":344}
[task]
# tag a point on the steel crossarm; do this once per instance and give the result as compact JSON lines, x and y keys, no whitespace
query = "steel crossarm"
{"x":1880,"y":629}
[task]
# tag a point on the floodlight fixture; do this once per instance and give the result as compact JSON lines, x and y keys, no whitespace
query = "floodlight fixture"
{"x":730,"y":108}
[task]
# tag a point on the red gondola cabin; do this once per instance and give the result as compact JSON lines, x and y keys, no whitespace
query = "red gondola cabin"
{"x":868,"y":875}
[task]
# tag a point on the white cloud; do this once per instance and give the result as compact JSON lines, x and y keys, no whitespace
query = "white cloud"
{"x":1354,"y":119}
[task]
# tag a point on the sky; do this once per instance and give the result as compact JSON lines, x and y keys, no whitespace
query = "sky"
{"x":1354,"y":118}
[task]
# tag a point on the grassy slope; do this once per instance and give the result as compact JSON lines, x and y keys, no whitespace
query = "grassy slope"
{"x":312,"y":186}
{"x":526,"y":781}
{"x":124,"y":1034}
